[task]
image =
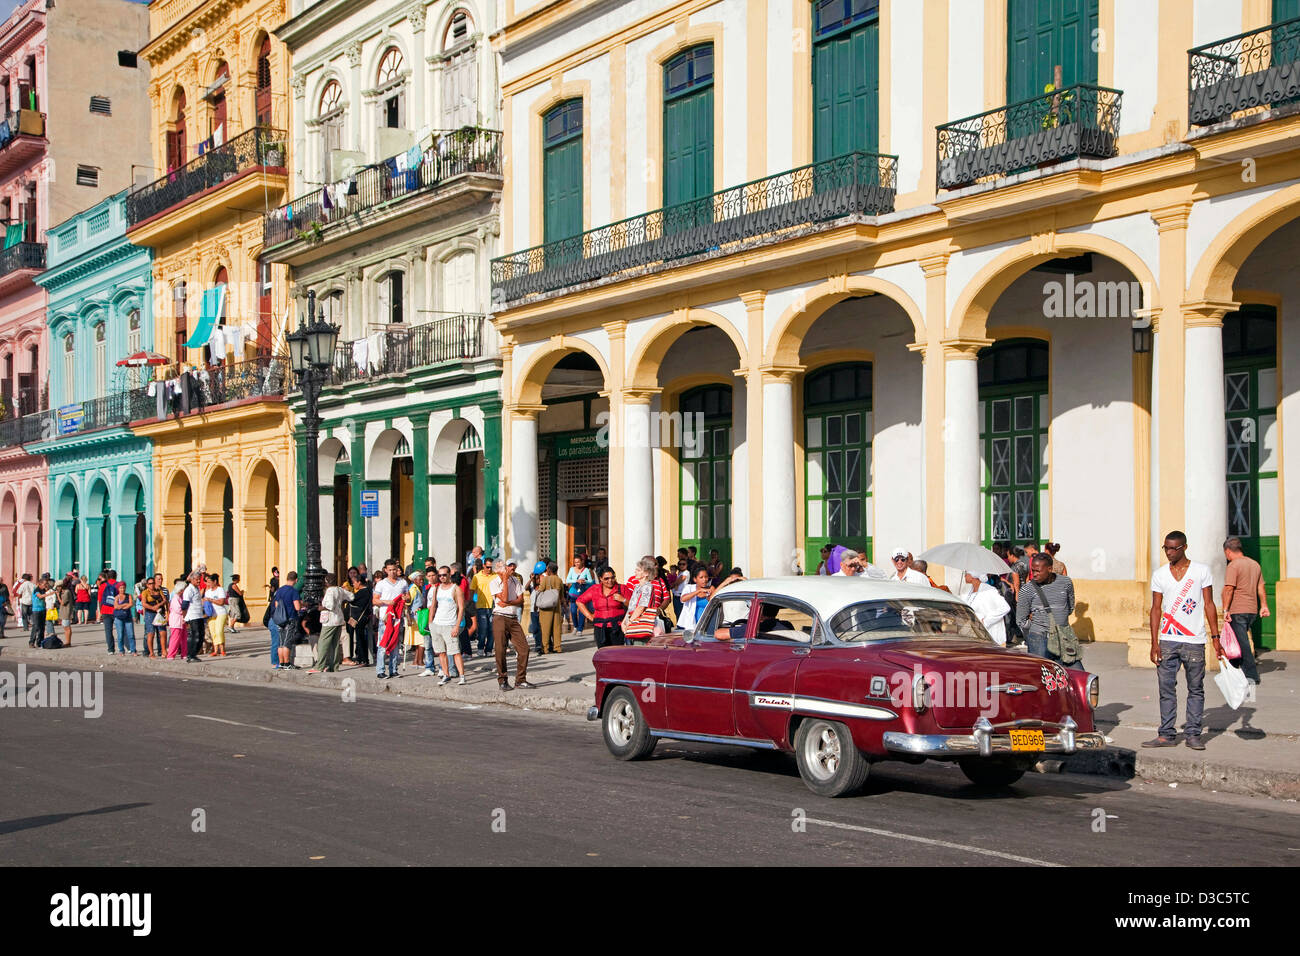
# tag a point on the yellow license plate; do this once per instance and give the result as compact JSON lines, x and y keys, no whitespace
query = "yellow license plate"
{"x":1026,"y":740}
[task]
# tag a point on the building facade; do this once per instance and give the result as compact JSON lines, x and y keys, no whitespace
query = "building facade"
{"x":70,"y":130}
{"x":222,"y":446}
{"x":397,"y":177}
{"x":906,"y":273}
{"x":100,"y":473}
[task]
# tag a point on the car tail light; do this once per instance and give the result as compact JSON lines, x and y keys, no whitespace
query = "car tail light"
{"x":1094,"y":691}
{"x":920,"y":694}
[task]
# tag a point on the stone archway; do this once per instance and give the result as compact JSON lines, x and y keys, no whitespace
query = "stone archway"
{"x":261,"y":526}
{"x":217,"y":523}
{"x":67,"y":521}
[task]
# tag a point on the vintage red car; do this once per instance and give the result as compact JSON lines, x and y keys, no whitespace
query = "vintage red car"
{"x":845,"y":672}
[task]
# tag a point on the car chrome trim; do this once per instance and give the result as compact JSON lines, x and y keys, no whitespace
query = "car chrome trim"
{"x":1013,"y":688}
{"x":593,"y":713}
{"x":711,"y":739}
{"x":652,"y":682}
{"x":984,"y":742}
{"x":838,"y":708}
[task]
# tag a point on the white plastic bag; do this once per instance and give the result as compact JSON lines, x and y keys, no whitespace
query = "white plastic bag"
{"x":1232,"y":683}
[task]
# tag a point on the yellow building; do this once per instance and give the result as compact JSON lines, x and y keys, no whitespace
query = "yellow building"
{"x":887,"y":273}
{"x":222,"y":436}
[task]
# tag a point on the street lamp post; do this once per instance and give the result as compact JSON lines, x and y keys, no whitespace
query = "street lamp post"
{"x":311,"y":354}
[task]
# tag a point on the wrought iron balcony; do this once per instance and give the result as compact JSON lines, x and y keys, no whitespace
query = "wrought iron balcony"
{"x":260,"y":148}
{"x":1259,"y":68}
{"x":23,"y":255}
{"x":200,"y":389}
{"x":1072,"y":122}
{"x":400,"y":349}
{"x":456,"y":153}
{"x":855,"y":184}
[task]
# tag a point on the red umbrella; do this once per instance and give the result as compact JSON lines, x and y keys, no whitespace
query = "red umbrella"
{"x":144,"y":358}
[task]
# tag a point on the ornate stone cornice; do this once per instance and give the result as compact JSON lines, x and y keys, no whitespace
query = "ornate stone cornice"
{"x":934,"y":265}
{"x":637,"y":395}
{"x":1171,"y":217}
{"x":523,"y":412}
{"x":1207,"y":314}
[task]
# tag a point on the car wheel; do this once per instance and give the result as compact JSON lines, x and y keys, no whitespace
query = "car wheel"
{"x":991,"y":773}
{"x":829,"y":762}
{"x":626,"y":734}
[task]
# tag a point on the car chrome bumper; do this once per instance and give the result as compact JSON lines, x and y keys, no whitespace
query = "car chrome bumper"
{"x":593,"y":713}
{"x":984,"y":740}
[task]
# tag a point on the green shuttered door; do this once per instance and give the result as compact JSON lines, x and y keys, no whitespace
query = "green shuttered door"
{"x":1044,"y":34}
{"x":846,"y":86}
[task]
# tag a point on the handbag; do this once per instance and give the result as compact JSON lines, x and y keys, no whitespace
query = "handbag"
{"x":1062,"y":642}
{"x":1232,"y":683}
{"x":1231,"y":649}
{"x":52,"y":614}
{"x":422,"y":620}
{"x":547,"y":600}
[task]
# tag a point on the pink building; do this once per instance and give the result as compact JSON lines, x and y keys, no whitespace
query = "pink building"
{"x":73,"y":99}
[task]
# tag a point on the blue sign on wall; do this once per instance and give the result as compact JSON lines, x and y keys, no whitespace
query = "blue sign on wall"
{"x":69,"y":418}
{"x":370,"y":504}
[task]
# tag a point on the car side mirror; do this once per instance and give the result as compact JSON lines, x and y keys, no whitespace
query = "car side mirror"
{"x":689,"y":636}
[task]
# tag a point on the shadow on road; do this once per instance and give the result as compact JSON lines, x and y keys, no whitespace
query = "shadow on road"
{"x":31,"y":823}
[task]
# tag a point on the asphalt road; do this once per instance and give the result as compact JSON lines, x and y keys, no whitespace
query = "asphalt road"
{"x":298,"y":777}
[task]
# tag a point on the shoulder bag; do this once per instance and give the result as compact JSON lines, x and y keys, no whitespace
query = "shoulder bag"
{"x":1062,"y":642}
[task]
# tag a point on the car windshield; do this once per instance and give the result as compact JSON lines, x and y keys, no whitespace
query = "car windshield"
{"x":914,"y":620}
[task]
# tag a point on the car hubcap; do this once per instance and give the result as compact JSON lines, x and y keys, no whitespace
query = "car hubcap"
{"x":622,"y":723}
{"x":823,"y":753}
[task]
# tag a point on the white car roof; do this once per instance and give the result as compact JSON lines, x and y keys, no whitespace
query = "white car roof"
{"x":828,"y":594}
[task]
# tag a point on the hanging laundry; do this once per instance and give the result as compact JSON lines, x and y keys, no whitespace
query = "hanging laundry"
{"x":14,"y":234}
{"x":400,"y":160}
{"x":325,"y":202}
{"x":413,"y":157}
{"x":288,"y":212}
{"x":360,"y":353}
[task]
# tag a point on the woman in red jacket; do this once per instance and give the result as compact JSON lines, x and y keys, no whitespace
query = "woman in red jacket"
{"x":604,"y":605}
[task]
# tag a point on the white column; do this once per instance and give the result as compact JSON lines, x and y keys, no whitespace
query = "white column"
{"x":638,"y":478}
{"x":961,"y":450}
{"x":742,"y":526}
{"x":1204,"y":438}
{"x":777,"y":462}
{"x":524,"y":537}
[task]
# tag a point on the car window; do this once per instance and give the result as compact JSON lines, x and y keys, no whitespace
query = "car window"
{"x":780,"y":620}
{"x":914,"y":620}
{"x":726,"y":620}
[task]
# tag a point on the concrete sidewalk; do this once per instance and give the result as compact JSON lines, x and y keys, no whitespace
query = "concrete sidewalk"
{"x":1254,"y":750}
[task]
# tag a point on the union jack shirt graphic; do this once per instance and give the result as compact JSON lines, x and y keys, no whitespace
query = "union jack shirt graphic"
{"x":1189,"y":606}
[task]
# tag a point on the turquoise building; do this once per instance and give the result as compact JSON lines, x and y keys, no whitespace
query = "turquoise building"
{"x":101,"y":477}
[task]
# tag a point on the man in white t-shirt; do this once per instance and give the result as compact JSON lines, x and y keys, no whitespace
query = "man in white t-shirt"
{"x":903,"y":571}
{"x":25,"y":601}
{"x":1182,"y":605}
{"x":989,"y":606}
{"x":387,"y":591}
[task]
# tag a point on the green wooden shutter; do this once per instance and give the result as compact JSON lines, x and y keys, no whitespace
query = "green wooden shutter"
{"x":562,"y":177}
{"x":1044,"y":33}
{"x":846,"y":93}
{"x":1285,"y":9}
{"x":688,"y":147}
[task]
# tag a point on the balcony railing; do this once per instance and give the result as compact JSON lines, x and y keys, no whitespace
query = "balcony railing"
{"x":23,"y":255}
{"x":401,"y":349}
{"x":1259,"y":68}
{"x":1068,"y":123}
{"x":16,"y":123}
{"x":457,"y":152}
{"x":856,"y":183}
{"x":260,"y":147}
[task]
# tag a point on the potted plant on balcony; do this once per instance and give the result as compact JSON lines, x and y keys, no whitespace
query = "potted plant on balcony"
{"x":273,"y":153}
{"x":311,"y":232}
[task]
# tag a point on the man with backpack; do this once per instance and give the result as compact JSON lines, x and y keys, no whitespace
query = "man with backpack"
{"x":1045,"y":602}
{"x":286,"y":608}
{"x":107,"y":600}
{"x":40,"y":594}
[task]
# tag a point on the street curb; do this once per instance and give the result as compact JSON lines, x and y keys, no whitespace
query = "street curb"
{"x":362,"y":681}
{"x":1118,"y":762}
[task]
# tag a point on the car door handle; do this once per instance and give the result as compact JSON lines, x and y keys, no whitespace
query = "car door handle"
{"x":801,"y":651}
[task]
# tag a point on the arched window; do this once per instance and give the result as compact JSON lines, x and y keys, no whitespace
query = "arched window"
{"x":460,"y":74}
{"x":392,"y":107}
{"x":133,"y":332}
{"x":222,"y":278}
{"x":217,"y":96}
{"x":262,"y":92}
{"x":69,"y":368}
{"x":331,"y":308}
{"x":331,"y":116}
{"x":176,"y":134}
{"x":391,"y":297}
{"x":459,"y":291}
{"x":688,"y":125}
{"x":101,"y":359}
{"x":562,"y":171}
